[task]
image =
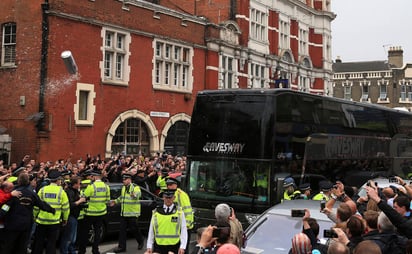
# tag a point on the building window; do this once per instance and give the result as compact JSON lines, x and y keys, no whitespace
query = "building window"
{"x":172,"y":67}
{"x":383,"y":92}
{"x":403,"y":93}
{"x":257,"y":74}
{"x":284,"y":32}
{"x":303,"y":42}
{"x":8,"y":46}
{"x":347,"y":92}
{"x":116,"y":53}
{"x":84,"y":109}
{"x":258,"y":25}
{"x":227,"y":72}
{"x":365,"y":93}
{"x":131,"y":137}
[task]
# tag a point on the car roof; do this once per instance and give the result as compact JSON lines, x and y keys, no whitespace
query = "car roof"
{"x":285,"y":207}
{"x":273,"y":230}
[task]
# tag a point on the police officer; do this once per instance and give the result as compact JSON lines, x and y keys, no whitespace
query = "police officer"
{"x":129,"y":200}
{"x":305,"y":190}
{"x":82,"y":230}
{"x":161,"y":180}
{"x":290,"y":189}
{"x":97,"y":195}
{"x":48,"y":224}
{"x":325,"y":191}
{"x":167,"y":231}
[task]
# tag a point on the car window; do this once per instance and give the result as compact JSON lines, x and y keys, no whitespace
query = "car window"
{"x":115,"y":191}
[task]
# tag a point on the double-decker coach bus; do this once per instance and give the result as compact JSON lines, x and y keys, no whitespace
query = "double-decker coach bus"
{"x":242,"y":143}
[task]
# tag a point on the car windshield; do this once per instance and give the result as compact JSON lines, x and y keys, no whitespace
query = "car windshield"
{"x":273,"y":233}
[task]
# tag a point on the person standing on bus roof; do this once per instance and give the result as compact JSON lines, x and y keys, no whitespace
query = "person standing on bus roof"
{"x":325,"y":191}
{"x":289,"y":186}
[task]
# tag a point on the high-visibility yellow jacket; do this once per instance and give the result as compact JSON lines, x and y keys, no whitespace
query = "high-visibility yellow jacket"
{"x":130,"y":205}
{"x":98,"y":195}
{"x":161,"y":182}
{"x":57,"y":198}
{"x":166,"y":227}
{"x":183,"y":202}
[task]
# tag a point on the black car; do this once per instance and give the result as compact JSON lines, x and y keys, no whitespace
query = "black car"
{"x":111,"y":223}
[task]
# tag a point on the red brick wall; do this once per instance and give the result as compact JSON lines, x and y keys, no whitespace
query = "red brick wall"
{"x":84,"y":41}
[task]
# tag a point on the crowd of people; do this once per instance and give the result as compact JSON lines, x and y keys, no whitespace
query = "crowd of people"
{"x":377,"y":223}
{"x":43,"y":201}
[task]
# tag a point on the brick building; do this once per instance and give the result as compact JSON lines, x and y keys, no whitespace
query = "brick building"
{"x":387,"y":82}
{"x":139,"y":64}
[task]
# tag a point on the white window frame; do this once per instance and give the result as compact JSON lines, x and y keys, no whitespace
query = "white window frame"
{"x":227,"y":72}
{"x":383,"y":91}
{"x":258,"y":25}
{"x":403,"y":93}
{"x":258,"y":75}
{"x":303,"y":41}
{"x":8,"y":44}
{"x":172,"y":66}
{"x":90,"y":107}
{"x":284,"y":34}
{"x":365,"y":92}
{"x":115,"y":68}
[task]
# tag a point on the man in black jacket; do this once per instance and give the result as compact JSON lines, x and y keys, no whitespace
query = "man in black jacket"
{"x":68,"y":240}
{"x":18,"y":216}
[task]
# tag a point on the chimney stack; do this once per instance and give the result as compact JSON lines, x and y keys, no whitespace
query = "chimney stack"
{"x":395,"y":56}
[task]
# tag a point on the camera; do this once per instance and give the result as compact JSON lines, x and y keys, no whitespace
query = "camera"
{"x":297,"y":212}
{"x":329,"y":233}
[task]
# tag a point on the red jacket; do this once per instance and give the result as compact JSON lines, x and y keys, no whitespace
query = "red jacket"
{"x":4,"y":196}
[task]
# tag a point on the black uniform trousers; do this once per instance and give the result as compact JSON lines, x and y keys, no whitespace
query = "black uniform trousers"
{"x":131,"y":224}
{"x":165,"y":249}
{"x":95,"y":223}
{"x":45,"y":234}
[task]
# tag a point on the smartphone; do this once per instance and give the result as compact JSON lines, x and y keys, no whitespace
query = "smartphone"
{"x":329,"y":233}
{"x":322,"y":205}
{"x":297,"y":212}
{"x":393,"y":180}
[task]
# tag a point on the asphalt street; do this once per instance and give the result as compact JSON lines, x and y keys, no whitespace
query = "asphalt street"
{"x":107,"y":246}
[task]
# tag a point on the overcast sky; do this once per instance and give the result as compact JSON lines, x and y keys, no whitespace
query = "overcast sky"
{"x":363,"y":30}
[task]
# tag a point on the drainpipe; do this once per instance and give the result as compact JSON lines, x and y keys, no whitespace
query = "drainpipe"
{"x":43,"y":63}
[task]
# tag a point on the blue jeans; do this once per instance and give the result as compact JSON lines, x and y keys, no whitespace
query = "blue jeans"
{"x":68,"y":240}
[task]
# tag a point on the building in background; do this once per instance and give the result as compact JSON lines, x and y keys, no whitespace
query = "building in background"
{"x":138,"y":66}
{"x":388,"y":83}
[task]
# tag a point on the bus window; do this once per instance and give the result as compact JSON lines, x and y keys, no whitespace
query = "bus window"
{"x":230,"y":181}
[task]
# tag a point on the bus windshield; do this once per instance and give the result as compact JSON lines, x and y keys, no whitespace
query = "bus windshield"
{"x":230,"y":181}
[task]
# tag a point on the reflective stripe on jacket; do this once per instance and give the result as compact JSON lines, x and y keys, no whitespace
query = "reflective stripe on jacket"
{"x":166,"y":227}
{"x":98,"y":194}
{"x":130,"y":206}
{"x":183,"y":202}
{"x":57,"y":198}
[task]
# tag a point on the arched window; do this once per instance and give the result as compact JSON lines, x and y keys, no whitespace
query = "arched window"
{"x":131,"y":137}
{"x":176,"y":139}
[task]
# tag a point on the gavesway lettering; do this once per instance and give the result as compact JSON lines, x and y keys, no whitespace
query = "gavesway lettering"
{"x":223,"y":148}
